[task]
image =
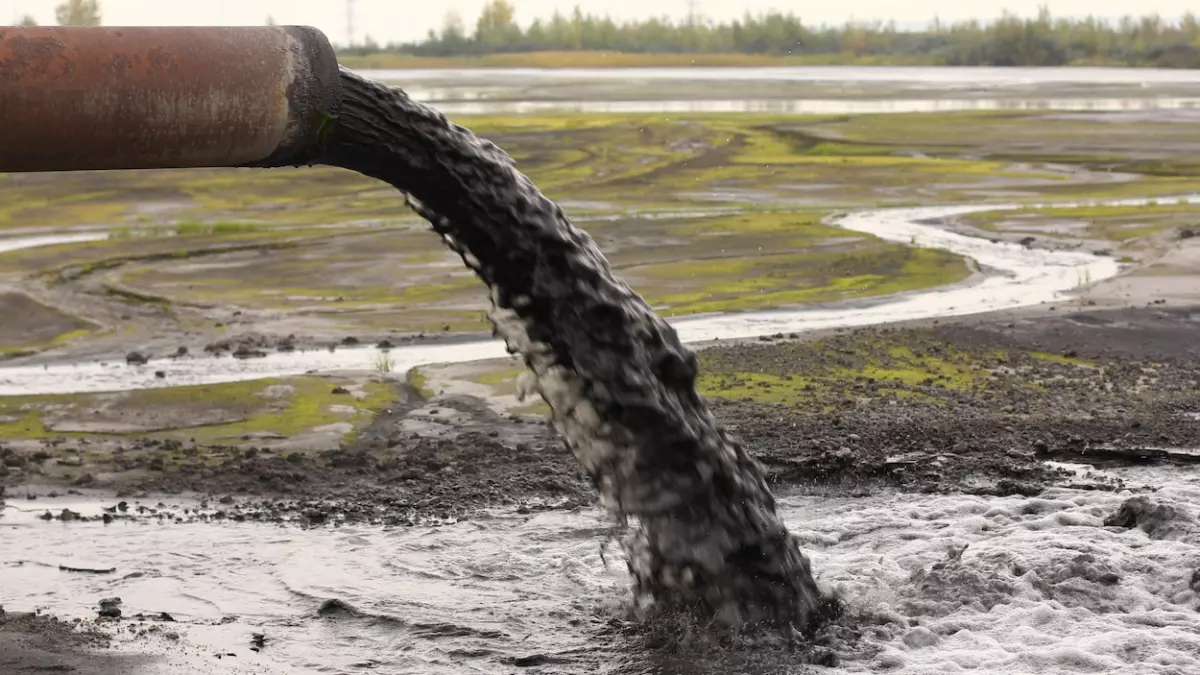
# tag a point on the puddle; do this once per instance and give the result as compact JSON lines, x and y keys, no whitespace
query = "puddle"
{"x":1040,"y":585}
{"x":1014,"y":276}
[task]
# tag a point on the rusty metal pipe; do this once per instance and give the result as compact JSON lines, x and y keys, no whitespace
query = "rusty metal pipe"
{"x":76,"y":99}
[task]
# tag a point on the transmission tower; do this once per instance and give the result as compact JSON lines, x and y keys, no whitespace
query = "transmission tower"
{"x":349,"y":23}
{"x":693,"y":12}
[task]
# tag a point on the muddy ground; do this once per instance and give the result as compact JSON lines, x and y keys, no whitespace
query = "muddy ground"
{"x":966,"y":405}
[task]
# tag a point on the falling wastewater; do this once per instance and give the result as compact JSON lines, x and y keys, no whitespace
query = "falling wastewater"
{"x":620,"y":385}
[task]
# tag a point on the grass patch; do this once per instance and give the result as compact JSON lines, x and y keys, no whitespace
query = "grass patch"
{"x":636,"y":161}
{"x":207,"y":413}
{"x":1110,"y":222}
{"x":771,"y":281}
{"x":405,"y":280}
{"x":417,"y":380}
{"x":883,"y":370}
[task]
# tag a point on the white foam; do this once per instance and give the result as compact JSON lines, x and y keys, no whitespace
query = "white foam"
{"x":1027,"y":595}
{"x":1033,"y":591}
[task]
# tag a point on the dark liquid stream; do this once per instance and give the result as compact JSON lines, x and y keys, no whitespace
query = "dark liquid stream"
{"x":620,"y":385}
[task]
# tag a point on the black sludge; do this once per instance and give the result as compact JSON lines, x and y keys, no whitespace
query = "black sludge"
{"x":619,"y":383}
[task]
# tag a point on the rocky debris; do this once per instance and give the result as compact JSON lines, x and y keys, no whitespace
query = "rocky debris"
{"x":249,"y":345}
{"x":136,"y":359}
{"x":1158,"y":520}
{"x":287,"y":344}
{"x":11,"y":459}
{"x":245,"y":352}
{"x":110,"y":608}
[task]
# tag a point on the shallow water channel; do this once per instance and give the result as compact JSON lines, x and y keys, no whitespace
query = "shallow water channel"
{"x":1010,"y":276}
{"x":1032,"y":592}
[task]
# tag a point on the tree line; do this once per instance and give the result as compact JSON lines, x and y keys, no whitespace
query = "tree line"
{"x":1008,"y":41}
{"x":1043,"y":40}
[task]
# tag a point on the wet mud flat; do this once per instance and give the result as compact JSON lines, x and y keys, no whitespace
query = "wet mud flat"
{"x":969,"y":404}
{"x":975,"y":406}
{"x":996,"y":395}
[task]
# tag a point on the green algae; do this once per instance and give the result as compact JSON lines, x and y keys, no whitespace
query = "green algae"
{"x":284,"y":406}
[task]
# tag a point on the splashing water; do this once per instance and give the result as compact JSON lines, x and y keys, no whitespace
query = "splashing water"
{"x":1066,"y":582}
{"x":615,"y":375}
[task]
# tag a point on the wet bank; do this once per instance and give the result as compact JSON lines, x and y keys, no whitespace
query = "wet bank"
{"x":1010,"y":275}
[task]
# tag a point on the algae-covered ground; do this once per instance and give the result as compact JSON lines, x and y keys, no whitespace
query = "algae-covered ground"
{"x":700,"y":213}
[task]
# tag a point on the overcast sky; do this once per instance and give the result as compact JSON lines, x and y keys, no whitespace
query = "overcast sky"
{"x":402,"y":20}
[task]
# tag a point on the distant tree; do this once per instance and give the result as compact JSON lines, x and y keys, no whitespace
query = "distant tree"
{"x":497,"y":28}
{"x":78,"y":13}
{"x":27,"y":21}
{"x":271,"y":21}
{"x":452,"y":28}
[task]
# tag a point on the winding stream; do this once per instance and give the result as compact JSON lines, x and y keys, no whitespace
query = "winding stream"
{"x":1012,"y":276}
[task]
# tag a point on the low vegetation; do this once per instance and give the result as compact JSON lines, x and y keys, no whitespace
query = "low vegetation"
{"x":1010,"y":40}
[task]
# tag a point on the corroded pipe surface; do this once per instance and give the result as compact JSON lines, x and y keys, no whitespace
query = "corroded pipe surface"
{"x":151,"y":98}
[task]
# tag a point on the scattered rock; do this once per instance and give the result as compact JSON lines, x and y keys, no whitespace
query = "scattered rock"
{"x":110,"y":608}
{"x":136,"y":359}
{"x":246,"y":352}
